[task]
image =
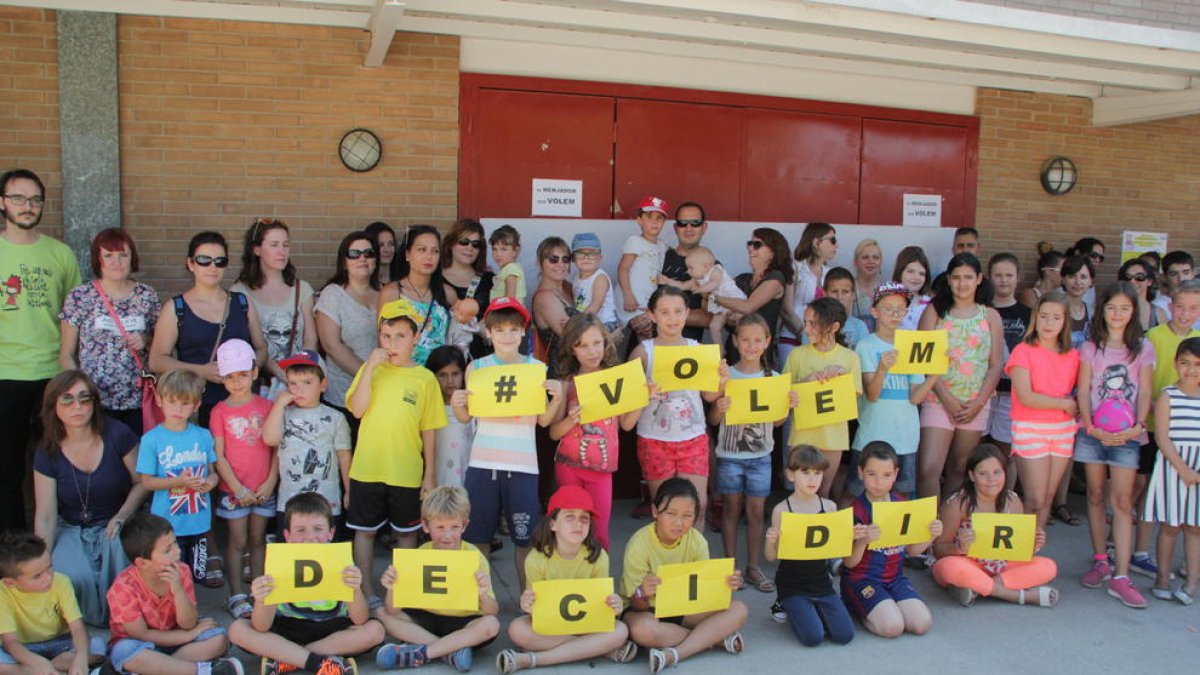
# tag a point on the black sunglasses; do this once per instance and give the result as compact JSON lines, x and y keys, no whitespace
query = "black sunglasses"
{"x":476,"y":244}
{"x":695,"y":222}
{"x":1139,"y":277}
{"x":755,"y":244}
{"x":555,"y":259}
{"x":220,"y":261}
{"x":1098,"y":257}
{"x":356,"y":253}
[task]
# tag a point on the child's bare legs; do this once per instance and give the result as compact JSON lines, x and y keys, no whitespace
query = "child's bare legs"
{"x":1121,"y":497}
{"x":1165,"y":551}
{"x":1191,"y":549}
{"x":931,"y":460}
{"x":1097,"y":484}
{"x":554,"y":649}
{"x":827,"y":478}
{"x":1144,"y":531}
{"x":353,"y":640}
{"x":754,"y":529}
{"x":730,"y":514}
{"x":961,"y":447}
{"x":364,"y":559}
{"x":891,"y":619}
{"x":1039,"y":481}
{"x":476,"y":632}
{"x":182,"y":662}
{"x":698,"y":632}
{"x":257,"y":545}
{"x":234,"y":548}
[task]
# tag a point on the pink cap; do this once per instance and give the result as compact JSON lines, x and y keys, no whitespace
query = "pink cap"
{"x":234,"y":356}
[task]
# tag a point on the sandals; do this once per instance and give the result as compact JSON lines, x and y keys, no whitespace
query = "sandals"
{"x":239,"y":606}
{"x":1047,"y":596}
{"x":508,"y":661}
{"x":658,"y":659}
{"x":1186,"y":599}
{"x":1063,"y":513}
{"x":756,"y":578}
{"x":734,"y":644}
{"x":965,"y":596}
{"x":625,"y":653}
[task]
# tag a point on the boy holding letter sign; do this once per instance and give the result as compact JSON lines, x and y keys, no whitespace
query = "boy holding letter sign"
{"x":671,"y":538}
{"x":313,"y":633}
{"x":448,"y":634}
{"x":921,"y":352}
{"x":570,"y":597}
{"x":904,"y":523}
{"x":985,"y":550}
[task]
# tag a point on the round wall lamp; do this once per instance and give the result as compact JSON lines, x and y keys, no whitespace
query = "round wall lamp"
{"x":360,"y":150}
{"x":1059,"y":175}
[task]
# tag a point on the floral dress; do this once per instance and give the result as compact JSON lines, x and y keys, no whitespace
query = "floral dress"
{"x":969,"y":350}
{"x":103,"y":355}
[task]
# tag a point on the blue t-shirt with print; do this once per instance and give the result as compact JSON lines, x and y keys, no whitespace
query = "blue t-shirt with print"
{"x":168,"y":454}
{"x":892,"y":417}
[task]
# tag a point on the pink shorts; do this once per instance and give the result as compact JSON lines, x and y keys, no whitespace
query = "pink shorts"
{"x":934,"y":415}
{"x":661,"y":460}
{"x":1034,"y":440}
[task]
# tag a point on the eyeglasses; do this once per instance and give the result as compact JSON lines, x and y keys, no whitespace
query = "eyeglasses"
{"x":755,"y":244}
{"x":1098,"y":257}
{"x":356,"y":253}
{"x":1135,"y":277}
{"x":586,"y":255}
{"x":894,"y":311}
{"x":555,"y":259}
{"x":695,"y":222}
{"x":220,"y":261}
{"x":476,"y":244}
{"x":22,"y":200}
{"x":82,"y":398}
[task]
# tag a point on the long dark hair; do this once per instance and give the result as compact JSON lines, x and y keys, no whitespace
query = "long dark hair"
{"x":457,"y":230}
{"x":779,"y":252}
{"x":1149,"y":271}
{"x":907,"y":256}
{"x":544,"y":541}
{"x":341,"y":276}
{"x":1132,"y":337}
{"x":53,"y":431}
{"x":806,"y":249}
{"x":827,"y":312}
{"x":373,"y":231}
{"x":970,"y":494}
{"x":252,"y":274}
{"x":943,"y":298}
{"x":437,"y":283}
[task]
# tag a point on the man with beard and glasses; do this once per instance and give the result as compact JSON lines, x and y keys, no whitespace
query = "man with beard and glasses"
{"x":36,"y":273}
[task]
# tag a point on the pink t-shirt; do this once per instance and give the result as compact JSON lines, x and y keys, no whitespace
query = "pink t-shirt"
{"x":1114,"y":386}
{"x":1050,"y":374}
{"x":591,"y":446}
{"x":241,"y":429}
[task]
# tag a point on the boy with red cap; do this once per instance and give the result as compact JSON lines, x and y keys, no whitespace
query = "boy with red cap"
{"x":641,"y":261}
{"x":502,"y":474}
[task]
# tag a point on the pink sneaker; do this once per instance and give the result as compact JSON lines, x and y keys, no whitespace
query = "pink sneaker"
{"x":1096,"y":576}
{"x":1123,"y":589}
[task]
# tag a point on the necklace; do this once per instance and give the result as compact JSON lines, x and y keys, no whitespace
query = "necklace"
{"x":422,"y":296}
{"x":85,"y":515}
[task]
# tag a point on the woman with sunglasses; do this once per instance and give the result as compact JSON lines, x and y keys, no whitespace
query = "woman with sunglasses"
{"x":204,"y":317}
{"x":84,"y":487}
{"x":1092,"y":249}
{"x":770,"y":273}
{"x":1140,"y":274}
{"x":464,"y":267}
{"x":817,"y":247}
{"x":283,"y":301}
{"x":420,"y":281}
{"x":383,"y":238}
{"x":346,"y":316}
{"x":113,"y":356}
{"x":553,"y":299}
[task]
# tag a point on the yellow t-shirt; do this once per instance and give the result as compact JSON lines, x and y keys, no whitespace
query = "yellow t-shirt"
{"x":404,"y":402}
{"x":1166,"y":343}
{"x":540,"y":568}
{"x":806,"y":360}
{"x":645,"y":553}
{"x":483,"y":565}
{"x":37,"y":617}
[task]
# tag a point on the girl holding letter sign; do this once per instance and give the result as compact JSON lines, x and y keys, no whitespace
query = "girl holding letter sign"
{"x":672,"y":538}
{"x":587,"y":453}
{"x":565,"y":547}
{"x":806,"y":596}
{"x":967,"y":578}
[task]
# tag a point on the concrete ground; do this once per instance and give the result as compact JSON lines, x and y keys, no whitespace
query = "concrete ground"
{"x":1087,"y":632}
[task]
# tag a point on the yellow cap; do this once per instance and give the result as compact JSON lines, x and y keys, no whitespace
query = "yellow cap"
{"x":398,"y":308}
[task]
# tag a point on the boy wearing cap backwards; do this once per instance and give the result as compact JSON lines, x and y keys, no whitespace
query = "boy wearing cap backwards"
{"x":246,"y":466}
{"x":890,"y":402}
{"x":502,"y":474}
{"x":395,"y":460}
{"x":641,"y":261}
{"x":176,"y":464}
{"x":592,"y":286}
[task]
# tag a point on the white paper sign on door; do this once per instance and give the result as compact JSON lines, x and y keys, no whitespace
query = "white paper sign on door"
{"x":922,"y":210}
{"x":554,"y":197}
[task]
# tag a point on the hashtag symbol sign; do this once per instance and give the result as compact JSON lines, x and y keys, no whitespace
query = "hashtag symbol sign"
{"x":506,"y":389}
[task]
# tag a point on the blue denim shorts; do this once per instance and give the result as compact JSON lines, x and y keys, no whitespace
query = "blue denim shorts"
{"x":228,"y":508}
{"x":1091,"y":451}
{"x":127,"y":648}
{"x":750,"y":477}
{"x":60,"y":644}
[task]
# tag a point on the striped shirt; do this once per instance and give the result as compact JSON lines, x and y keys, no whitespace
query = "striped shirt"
{"x":504,"y":443}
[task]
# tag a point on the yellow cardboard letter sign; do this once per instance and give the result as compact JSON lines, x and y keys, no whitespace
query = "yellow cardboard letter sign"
{"x":816,"y":536}
{"x":757,"y":399}
{"x":308,"y":572}
{"x":1003,"y":536}
{"x":507,"y":391}
{"x":903,"y":523}
{"x":821,"y":403}
{"x":691,"y":588}
{"x":572,"y":606}
{"x":687,"y":368}
{"x":612,"y":391}
{"x":432,"y":579}
{"x":921,"y":352}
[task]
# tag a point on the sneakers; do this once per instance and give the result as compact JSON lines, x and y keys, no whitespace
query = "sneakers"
{"x":226,"y":666}
{"x":400,"y":655}
{"x":1101,"y":571}
{"x":461,"y":659}
{"x":337,"y":665}
{"x":273,"y":667}
{"x":778,"y":613}
{"x":1123,"y":589}
{"x":1143,"y":564}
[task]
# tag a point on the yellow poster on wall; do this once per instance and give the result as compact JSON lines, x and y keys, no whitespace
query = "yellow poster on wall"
{"x":1003,"y":536}
{"x":612,"y":391}
{"x":687,"y":368}
{"x":821,"y":403}
{"x":308,"y":572}
{"x":507,"y":391}
{"x":921,"y":352}
{"x":754,"y":400}
{"x":434,"y":579}
{"x":690,"y":588}
{"x":816,"y":536}
{"x":572,"y":606}
{"x":903,"y":523}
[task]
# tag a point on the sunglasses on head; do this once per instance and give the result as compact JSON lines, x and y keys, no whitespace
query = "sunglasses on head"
{"x":1139,"y":277}
{"x":695,"y":222}
{"x":220,"y":261}
{"x":755,"y":244}
{"x":555,"y":259}
{"x":82,"y":398}
{"x":356,"y":253}
{"x":476,"y":244}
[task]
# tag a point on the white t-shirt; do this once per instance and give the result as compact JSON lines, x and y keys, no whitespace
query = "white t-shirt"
{"x":746,"y":441}
{"x":276,"y":320}
{"x":308,"y":459}
{"x":808,"y":287}
{"x":358,"y":332}
{"x":677,"y":417}
{"x":643,"y":276}
{"x":583,"y":289}
{"x":727,"y":288}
